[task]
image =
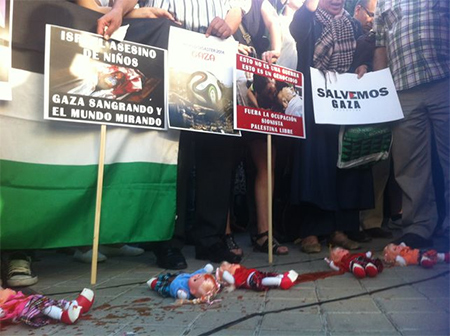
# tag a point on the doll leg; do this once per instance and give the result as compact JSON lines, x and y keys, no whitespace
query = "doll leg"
{"x":85,"y":300}
{"x":284,"y":281}
{"x":428,"y":259}
{"x":68,"y":316}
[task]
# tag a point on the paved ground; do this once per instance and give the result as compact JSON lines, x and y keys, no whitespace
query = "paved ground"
{"x":400,"y":301}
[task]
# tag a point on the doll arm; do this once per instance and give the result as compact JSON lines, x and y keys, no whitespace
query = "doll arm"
{"x":400,"y":261}
{"x":228,"y":278}
{"x":208,"y":268}
{"x":181,"y":294}
{"x":369,"y":254}
{"x":331,"y":264}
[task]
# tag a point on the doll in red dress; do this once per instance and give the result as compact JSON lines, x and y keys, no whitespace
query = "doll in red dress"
{"x":360,"y":264}
{"x":237,"y":276}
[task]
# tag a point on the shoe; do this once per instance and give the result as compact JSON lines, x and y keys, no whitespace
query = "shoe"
{"x":231,"y":244}
{"x":71,"y":314}
{"x":359,"y":236}
{"x":310,"y":244}
{"x":152,"y":283}
{"x":85,"y":300}
{"x":170,"y":258}
{"x":413,"y":241}
{"x":86,"y":257}
{"x":378,"y":233}
{"x":217,"y":252}
{"x":288,"y":279}
{"x":124,"y":251}
{"x":19,"y":271}
{"x":277,"y":249}
{"x":340,"y":239}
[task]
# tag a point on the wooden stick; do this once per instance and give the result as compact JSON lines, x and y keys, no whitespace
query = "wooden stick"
{"x":269,"y":195}
{"x":98,"y":207}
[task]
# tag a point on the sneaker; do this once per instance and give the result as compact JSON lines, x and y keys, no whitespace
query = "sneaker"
{"x":125,"y":251}
{"x":86,"y":257}
{"x":19,"y":271}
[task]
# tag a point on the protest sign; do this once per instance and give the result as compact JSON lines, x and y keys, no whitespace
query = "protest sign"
{"x":269,"y":98}
{"x":201,"y":72}
{"x":91,"y":80}
{"x":343,"y":99}
{"x":5,"y":48}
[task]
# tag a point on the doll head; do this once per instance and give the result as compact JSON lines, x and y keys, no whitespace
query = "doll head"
{"x":337,"y":253}
{"x":201,"y":285}
{"x":226,"y":266}
{"x":391,"y":251}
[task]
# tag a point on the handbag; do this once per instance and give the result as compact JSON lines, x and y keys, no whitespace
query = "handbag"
{"x":363,"y":146}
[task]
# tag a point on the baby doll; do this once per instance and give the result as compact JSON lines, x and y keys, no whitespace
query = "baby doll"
{"x":360,"y":264}
{"x":238,"y":276}
{"x":196,"y":287}
{"x":402,"y":255}
{"x":37,"y":310}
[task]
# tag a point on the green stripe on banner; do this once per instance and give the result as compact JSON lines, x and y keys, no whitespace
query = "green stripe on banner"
{"x":50,"y":206}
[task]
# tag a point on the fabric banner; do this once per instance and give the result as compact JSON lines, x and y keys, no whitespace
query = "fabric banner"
{"x":49,"y":168}
{"x":343,"y":99}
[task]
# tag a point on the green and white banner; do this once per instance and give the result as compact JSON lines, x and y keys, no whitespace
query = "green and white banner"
{"x":48,"y":177}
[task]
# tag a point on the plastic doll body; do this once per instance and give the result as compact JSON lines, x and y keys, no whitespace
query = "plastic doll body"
{"x":402,"y":255}
{"x":360,"y":264}
{"x":186,"y":286}
{"x":238,"y":276}
{"x":37,"y":310}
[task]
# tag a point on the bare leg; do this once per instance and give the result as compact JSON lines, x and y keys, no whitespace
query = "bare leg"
{"x":258,"y":151}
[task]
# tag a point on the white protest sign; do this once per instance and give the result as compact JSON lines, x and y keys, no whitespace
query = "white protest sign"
{"x":343,"y":99}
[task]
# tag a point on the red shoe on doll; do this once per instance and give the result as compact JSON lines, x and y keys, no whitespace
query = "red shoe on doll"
{"x":85,"y":300}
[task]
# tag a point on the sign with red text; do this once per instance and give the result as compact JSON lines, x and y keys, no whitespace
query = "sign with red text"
{"x":269,"y":98}
{"x":201,"y":77}
{"x":343,"y":99}
{"x":91,"y":80}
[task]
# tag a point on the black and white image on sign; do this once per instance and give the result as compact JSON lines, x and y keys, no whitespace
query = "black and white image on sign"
{"x":89,"y":79}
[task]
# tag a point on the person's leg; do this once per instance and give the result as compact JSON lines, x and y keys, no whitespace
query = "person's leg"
{"x":439,"y":109}
{"x":214,"y":163}
{"x":411,"y":154}
{"x":258,"y":152}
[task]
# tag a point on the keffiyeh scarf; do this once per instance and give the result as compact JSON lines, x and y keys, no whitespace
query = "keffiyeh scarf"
{"x":335,"y":47}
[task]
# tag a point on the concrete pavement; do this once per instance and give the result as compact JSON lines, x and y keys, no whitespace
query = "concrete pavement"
{"x":400,"y":301}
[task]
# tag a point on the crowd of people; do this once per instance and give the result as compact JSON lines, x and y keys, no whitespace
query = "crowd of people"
{"x":341,"y":206}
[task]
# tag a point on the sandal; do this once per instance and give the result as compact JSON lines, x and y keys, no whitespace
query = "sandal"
{"x":231,"y":245}
{"x":264,"y":247}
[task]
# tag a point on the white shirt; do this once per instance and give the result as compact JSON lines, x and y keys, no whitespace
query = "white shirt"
{"x":196,"y":15}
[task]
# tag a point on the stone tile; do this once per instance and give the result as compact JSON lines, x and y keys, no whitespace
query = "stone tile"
{"x":214,"y":319}
{"x":360,"y":323}
{"x":358,"y":305}
{"x":406,"y":305}
{"x":307,"y":306}
{"x":292,"y":322}
{"x":429,"y":322}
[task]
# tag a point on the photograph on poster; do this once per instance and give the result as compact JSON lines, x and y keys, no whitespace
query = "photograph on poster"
{"x":269,"y":98}
{"x":201,"y":83}
{"x":108,"y":82}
